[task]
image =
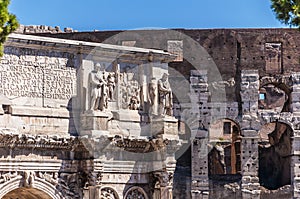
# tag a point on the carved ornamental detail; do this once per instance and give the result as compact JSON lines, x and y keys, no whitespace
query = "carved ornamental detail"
{"x":7,"y":176}
{"x":51,"y":177}
{"x":38,"y":141}
{"x":28,"y":177}
{"x":136,"y":193}
{"x":140,"y":146}
{"x":127,"y":92}
{"x":163,"y":179}
{"x":108,"y":193}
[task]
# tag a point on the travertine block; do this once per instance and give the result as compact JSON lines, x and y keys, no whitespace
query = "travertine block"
{"x":167,"y":127}
{"x":95,"y":120}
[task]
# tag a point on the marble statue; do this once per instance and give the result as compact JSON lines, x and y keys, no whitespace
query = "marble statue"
{"x":111,"y":86}
{"x":98,"y":89}
{"x":164,"y":96}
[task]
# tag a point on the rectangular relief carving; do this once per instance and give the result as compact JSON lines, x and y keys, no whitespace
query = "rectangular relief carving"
{"x":273,"y":54}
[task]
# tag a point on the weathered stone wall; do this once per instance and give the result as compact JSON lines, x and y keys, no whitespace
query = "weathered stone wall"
{"x":244,"y":57}
{"x":37,"y":87}
{"x":231,"y":49}
{"x":222,"y":44}
{"x":38,"y":77}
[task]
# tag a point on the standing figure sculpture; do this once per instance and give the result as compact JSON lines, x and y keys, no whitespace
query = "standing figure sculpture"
{"x":152,"y":101}
{"x":110,"y":86}
{"x":98,"y":89}
{"x":165,"y":96}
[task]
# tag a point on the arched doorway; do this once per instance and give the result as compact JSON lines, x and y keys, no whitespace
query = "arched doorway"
{"x":275,"y":150}
{"x":274,"y":95}
{"x":37,"y":189}
{"x":225,"y":148}
{"x":26,"y":193}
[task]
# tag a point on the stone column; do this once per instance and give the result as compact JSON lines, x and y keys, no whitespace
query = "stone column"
{"x":250,"y":180}
{"x":163,"y":185}
{"x":295,"y":95}
{"x":250,"y":126}
{"x":94,"y":189}
{"x":295,"y":165}
{"x":163,"y":177}
{"x":199,"y":142}
{"x":200,"y":181}
{"x":295,"y":109}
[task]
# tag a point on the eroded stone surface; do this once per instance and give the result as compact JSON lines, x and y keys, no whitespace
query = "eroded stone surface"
{"x":260,"y":80}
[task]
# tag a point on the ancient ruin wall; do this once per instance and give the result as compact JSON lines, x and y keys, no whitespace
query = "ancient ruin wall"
{"x":232,"y":50}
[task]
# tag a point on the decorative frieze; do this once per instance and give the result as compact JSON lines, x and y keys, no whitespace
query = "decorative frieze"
{"x":38,"y":141}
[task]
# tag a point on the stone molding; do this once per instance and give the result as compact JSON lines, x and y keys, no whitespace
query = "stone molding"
{"x":140,"y":145}
{"x":37,"y":141}
{"x":13,"y":180}
{"x":136,"y":192}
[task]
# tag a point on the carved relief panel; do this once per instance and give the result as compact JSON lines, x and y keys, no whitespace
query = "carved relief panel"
{"x":273,"y":54}
{"x":28,"y":73}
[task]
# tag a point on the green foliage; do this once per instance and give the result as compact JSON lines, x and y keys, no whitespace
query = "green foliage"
{"x":8,"y":23}
{"x":287,"y":11}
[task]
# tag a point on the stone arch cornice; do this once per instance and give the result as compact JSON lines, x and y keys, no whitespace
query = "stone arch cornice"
{"x":270,"y":116}
{"x":40,"y":184}
{"x":235,"y":120}
{"x":114,"y":192}
{"x":277,"y":81}
{"x":138,"y":189}
{"x":276,"y":36}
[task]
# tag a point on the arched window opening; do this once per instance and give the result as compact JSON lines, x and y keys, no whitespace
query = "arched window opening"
{"x":274,"y":97}
{"x":275,"y":147}
{"x":225,"y":148}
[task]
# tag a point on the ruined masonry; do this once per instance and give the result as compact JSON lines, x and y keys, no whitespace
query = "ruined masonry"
{"x":150,"y":114}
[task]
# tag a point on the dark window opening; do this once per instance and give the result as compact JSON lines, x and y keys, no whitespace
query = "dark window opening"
{"x":275,"y":149}
{"x":6,"y":109}
{"x":227,"y":128}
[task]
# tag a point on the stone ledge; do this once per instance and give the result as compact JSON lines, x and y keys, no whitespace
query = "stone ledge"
{"x":40,"y":112}
{"x":126,"y":115}
{"x":247,"y":134}
{"x":166,"y":118}
{"x":94,"y":133}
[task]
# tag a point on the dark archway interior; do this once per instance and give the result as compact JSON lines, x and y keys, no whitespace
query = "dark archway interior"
{"x":275,"y":156}
{"x":275,"y":97}
{"x":26,"y":193}
{"x":225,"y":154}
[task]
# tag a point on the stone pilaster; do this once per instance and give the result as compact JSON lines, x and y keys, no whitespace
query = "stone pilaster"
{"x":295,"y":165}
{"x":199,"y":96}
{"x":250,"y":180}
{"x":200,"y":181}
{"x":295,"y":95}
{"x":250,"y":126}
{"x":163,"y":185}
{"x":295,"y":109}
{"x":249,"y":96}
{"x":163,"y":178}
{"x":199,"y":142}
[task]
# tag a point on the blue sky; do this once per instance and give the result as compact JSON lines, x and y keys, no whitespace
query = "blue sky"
{"x":136,"y":14}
